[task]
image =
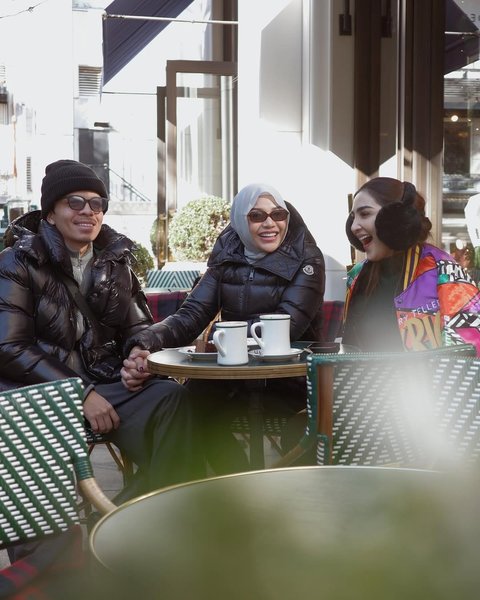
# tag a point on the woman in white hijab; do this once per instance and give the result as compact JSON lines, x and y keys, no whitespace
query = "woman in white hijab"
{"x":251,"y":197}
{"x":265,"y":261}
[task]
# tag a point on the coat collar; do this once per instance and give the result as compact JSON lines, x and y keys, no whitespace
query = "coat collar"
{"x":42,"y":241}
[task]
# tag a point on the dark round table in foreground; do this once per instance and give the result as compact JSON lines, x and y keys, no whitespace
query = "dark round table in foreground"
{"x":332,"y":532}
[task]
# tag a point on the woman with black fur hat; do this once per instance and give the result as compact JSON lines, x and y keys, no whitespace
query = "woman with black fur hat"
{"x":407,"y":294}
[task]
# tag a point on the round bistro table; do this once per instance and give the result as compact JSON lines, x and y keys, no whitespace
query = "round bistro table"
{"x":300,"y":532}
{"x":180,"y":366}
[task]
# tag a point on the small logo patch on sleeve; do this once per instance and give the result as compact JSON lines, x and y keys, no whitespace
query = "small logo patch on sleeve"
{"x":308,"y":270}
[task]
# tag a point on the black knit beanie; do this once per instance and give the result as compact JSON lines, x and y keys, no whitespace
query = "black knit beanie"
{"x":65,"y":176}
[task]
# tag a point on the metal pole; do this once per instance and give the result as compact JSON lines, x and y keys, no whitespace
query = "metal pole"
{"x":175,"y":19}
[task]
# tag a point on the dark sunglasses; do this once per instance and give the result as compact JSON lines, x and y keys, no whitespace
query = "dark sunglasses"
{"x":97,"y":204}
{"x":257,"y":215}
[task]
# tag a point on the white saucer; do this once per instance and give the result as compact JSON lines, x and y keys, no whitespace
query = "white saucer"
{"x":292,"y":355}
{"x":192,"y":355}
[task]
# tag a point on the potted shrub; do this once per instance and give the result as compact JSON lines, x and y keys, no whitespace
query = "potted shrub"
{"x":142,"y":262}
{"x":195,"y":227}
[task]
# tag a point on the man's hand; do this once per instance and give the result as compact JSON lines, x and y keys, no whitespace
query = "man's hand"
{"x":100,"y":414}
{"x":134,"y":371}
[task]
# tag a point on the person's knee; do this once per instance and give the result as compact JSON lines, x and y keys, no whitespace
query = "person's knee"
{"x":167,"y":388}
{"x":172,"y":398}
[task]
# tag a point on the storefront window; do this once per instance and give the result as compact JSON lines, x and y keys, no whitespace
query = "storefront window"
{"x":461,"y":179}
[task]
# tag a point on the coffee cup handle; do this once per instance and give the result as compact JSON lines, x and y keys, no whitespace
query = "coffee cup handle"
{"x":253,"y":331}
{"x":217,"y":341}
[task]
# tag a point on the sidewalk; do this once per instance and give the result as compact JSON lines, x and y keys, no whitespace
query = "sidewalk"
{"x":110,"y":479}
{"x":106,"y":471}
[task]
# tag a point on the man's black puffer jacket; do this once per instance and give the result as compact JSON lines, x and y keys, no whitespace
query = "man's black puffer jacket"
{"x":38,"y":318}
{"x":289,"y":280}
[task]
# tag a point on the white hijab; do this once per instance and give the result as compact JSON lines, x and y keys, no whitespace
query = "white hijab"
{"x":243,"y":202}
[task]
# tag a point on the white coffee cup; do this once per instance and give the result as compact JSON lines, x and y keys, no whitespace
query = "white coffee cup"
{"x":230,"y":339}
{"x":274,"y":337}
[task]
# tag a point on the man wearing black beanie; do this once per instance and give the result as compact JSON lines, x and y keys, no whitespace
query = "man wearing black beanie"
{"x":52,"y":257}
{"x":64,"y":176}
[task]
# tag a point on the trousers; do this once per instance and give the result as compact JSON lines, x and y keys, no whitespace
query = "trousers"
{"x":158,"y":432}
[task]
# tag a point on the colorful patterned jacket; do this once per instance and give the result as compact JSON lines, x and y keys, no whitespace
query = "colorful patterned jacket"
{"x":439,"y":304}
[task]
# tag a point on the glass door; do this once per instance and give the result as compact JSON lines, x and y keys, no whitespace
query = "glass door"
{"x":197,"y":137}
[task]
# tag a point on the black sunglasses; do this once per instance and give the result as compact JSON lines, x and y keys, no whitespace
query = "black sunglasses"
{"x":257,"y":215}
{"x":97,"y":204}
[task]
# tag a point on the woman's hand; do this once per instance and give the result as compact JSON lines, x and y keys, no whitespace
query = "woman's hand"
{"x":134,"y":371}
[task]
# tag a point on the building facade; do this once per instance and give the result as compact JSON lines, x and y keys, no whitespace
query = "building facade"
{"x":311,"y":96}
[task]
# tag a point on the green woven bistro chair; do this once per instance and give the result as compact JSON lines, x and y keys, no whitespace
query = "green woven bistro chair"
{"x":43,"y":451}
{"x":121,"y":460}
{"x":404,"y":409}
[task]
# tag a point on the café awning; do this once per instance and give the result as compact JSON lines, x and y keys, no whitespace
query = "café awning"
{"x":462,"y":40}
{"x":123,"y":39}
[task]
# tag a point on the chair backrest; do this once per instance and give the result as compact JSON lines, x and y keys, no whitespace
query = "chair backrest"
{"x":332,"y":319}
{"x":42,"y":448}
{"x":162,"y":304}
{"x":171,"y":280}
{"x":420,"y":409}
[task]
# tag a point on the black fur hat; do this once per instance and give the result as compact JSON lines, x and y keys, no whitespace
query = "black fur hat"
{"x":398,"y":224}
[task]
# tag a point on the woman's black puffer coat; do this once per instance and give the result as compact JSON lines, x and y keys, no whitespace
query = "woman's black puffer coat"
{"x":289,"y":280}
{"x":37,"y":316}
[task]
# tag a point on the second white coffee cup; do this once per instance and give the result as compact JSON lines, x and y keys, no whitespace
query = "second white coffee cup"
{"x":230,"y":339}
{"x":272,"y":334}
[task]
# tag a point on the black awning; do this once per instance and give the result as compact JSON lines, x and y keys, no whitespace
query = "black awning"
{"x":123,"y":39}
{"x":459,"y":50}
